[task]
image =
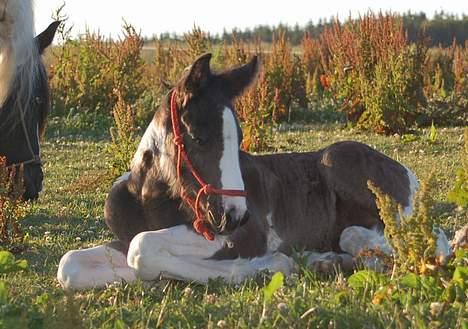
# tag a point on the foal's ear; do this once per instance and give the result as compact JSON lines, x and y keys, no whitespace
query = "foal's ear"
{"x":44,"y":39}
{"x":198,"y":75}
{"x":235,"y":81}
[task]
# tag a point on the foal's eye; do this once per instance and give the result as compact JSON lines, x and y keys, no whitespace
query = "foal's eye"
{"x":200,"y":140}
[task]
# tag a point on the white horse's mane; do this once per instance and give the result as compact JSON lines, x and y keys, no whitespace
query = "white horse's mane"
{"x":18,"y":51}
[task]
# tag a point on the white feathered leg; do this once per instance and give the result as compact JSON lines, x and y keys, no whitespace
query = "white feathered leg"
{"x":180,"y":253}
{"x":93,"y":268}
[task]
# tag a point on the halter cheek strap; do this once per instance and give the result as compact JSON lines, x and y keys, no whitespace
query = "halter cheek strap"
{"x":205,"y":189}
{"x":35,"y":158}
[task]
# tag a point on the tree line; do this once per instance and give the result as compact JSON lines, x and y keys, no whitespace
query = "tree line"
{"x":442,"y":29}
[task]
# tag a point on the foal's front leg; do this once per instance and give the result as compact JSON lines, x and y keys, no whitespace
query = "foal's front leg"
{"x":94,"y":267}
{"x":179,"y":253}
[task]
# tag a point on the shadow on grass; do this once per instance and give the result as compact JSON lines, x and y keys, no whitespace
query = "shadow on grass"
{"x":77,"y":126}
{"x":49,"y":238}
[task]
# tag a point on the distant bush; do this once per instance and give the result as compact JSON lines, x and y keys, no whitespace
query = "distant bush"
{"x":365,"y":68}
{"x":375,"y":72}
{"x":312,"y":66}
{"x":123,"y":135}
{"x":445,"y":77}
{"x":253,"y":108}
{"x":86,"y":71}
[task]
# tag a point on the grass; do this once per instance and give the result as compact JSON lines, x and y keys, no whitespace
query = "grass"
{"x":69,"y":215}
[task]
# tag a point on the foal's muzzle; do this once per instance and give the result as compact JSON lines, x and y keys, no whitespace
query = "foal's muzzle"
{"x":232,"y":222}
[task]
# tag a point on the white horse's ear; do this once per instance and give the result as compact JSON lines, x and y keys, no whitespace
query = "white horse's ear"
{"x":44,"y":39}
{"x":235,"y":81}
{"x":198,"y":75}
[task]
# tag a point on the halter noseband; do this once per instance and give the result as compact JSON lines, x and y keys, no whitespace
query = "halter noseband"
{"x":205,"y":189}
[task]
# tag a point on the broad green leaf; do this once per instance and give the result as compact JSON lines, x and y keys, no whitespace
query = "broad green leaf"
{"x":119,"y":324}
{"x":461,"y":253}
{"x":460,"y":276}
{"x":410,"y":280}
{"x":42,"y":299}
{"x":6,"y":257}
{"x":22,"y":264}
{"x":8,"y":264}
{"x":362,"y":279}
{"x":429,"y":284}
{"x":3,"y":293}
{"x":7,"y":261}
{"x":408,"y":138}
{"x":276,"y":283}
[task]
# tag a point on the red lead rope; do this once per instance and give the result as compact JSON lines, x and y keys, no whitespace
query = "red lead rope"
{"x":205,"y":189}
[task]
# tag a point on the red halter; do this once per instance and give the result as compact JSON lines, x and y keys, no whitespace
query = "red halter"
{"x":205,"y":189}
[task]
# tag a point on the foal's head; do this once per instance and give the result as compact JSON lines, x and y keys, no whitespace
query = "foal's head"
{"x":211,"y":137}
{"x":24,"y":90}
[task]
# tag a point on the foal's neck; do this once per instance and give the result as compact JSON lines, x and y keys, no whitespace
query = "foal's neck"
{"x":157,"y":150}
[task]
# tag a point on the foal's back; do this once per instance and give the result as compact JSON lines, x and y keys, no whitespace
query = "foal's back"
{"x":314,"y":196}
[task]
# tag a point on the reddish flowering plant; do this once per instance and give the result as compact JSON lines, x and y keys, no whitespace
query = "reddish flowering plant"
{"x":325,"y":81}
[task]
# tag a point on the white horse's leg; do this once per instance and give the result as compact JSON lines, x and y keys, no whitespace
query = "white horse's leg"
{"x":180,"y":253}
{"x":93,"y":268}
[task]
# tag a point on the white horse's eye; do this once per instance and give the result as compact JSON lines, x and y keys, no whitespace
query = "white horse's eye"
{"x":3,"y":15}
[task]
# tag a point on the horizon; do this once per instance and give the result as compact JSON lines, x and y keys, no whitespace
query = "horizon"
{"x":155,"y":19}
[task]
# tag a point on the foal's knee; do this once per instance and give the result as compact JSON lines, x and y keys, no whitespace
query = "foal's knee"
{"x":143,"y":256}
{"x":68,"y":273}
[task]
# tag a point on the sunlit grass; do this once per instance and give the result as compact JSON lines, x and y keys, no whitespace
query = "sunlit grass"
{"x":69,"y":215}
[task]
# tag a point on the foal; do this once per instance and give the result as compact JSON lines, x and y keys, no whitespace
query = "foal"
{"x":195,"y":207}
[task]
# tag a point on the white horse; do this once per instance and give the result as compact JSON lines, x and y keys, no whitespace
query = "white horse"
{"x":24,"y":90}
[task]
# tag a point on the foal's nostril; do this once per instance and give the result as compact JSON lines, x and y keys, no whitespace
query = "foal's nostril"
{"x":230,"y":215}
{"x":233,"y":221}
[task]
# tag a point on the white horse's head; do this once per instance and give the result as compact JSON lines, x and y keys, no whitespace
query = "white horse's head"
{"x":17,"y":47}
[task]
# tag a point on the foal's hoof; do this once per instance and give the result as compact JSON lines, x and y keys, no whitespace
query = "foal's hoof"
{"x":329,"y":263}
{"x":460,"y":240}
{"x":283,"y":264}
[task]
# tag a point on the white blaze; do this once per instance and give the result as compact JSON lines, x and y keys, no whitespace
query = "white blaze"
{"x":231,"y":177}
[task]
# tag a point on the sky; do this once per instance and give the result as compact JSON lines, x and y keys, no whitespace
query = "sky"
{"x":153,"y":17}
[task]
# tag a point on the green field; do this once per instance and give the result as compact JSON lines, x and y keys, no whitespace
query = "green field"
{"x":69,"y":215}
